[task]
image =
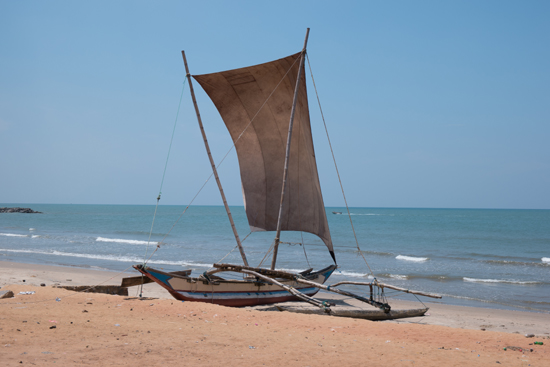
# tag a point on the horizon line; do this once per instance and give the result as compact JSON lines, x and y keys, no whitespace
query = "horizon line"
{"x":242,"y":206}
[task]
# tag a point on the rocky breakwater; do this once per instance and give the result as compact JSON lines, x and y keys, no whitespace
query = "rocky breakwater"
{"x":18,"y":210}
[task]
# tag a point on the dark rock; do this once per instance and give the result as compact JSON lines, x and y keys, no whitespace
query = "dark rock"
{"x":19,"y":210}
{"x":6,"y":294}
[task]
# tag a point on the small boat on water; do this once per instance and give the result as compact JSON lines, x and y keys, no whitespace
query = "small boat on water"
{"x":260,"y":106}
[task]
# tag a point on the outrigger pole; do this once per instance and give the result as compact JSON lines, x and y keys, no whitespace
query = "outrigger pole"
{"x":212,"y":161}
{"x":285,"y":174}
{"x":270,"y":275}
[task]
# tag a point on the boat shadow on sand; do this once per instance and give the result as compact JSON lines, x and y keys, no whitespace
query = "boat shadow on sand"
{"x":343,"y":307}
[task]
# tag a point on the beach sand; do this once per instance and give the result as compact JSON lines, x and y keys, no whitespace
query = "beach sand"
{"x":54,"y":326}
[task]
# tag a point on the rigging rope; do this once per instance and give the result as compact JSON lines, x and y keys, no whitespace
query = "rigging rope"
{"x":304,"y":247}
{"x":336,"y":167}
{"x":164,"y":173}
{"x":233,"y":249}
{"x":267,"y":253}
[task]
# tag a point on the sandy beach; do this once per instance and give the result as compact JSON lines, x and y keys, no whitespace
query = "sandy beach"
{"x":54,"y":326}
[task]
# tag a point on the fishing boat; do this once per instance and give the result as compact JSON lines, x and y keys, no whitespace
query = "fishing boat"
{"x":265,"y":109}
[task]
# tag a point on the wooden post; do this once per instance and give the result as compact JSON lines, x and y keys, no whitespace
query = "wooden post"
{"x":371,"y":292}
{"x":212,"y":161}
{"x":285,"y":173}
{"x":331,"y":288}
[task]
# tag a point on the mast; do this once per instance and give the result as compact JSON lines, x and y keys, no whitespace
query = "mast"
{"x":241,"y":250}
{"x":285,"y":174}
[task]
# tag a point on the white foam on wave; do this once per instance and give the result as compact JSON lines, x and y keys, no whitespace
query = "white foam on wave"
{"x":474,"y":280}
{"x":290,"y":270}
{"x":32,"y":229}
{"x":13,"y":235}
{"x":131,"y":259}
{"x":345,"y":273}
{"x":356,"y":275}
{"x":398,"y":276}
{"x":411,"y":258}
{"x":35,"y":236}
{"x":23,"y":251}
{"x":120,"y":240}
{"x":182,"y":263}
{"x":546,"y":259}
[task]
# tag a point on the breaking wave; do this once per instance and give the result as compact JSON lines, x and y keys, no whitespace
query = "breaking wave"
{"x":132,"y":259}
{"x":546,"y":259}
{"x":398,"y":276}
{"x":518,"y":263}
{"x":13,"y":235}
{"x":411,"y":258}
{"x":290,"y":270}
{"x":120,"y":240}
{"x":474,"y":280}
{"x":356,"y":275}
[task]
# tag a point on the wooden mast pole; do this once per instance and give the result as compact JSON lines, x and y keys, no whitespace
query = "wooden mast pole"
{"x":285,"y":174}
{"x":212,"y":161}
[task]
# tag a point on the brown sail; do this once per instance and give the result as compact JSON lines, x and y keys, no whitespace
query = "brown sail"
{"x":255,"y":104}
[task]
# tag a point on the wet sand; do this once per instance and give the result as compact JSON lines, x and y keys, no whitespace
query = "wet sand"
{"x":54,"y":326}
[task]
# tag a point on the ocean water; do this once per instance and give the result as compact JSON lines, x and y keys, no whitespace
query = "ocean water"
{"x":473,"y":257}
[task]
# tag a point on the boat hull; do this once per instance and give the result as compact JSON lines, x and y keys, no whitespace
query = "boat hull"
{"x":234,"y":293}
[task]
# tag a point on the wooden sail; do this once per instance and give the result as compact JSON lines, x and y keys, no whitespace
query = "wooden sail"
{"x":255,"y":104}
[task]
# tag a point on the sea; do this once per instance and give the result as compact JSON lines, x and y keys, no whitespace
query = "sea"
{"x":497,"y":259}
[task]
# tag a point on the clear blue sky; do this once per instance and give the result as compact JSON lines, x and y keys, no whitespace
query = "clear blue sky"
{"x":429,"y":103}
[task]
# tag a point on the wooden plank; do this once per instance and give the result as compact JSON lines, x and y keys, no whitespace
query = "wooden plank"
{"x":108,"y":289}
{"x":140,"y":279}
{"x":133,"y":281}
{"x":181,"y":273}
{"x":263,"y":271}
